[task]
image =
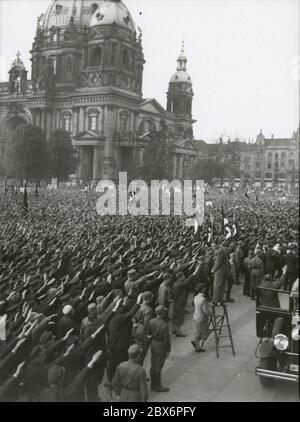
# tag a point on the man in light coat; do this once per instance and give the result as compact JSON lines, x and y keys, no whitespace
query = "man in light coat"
{"x":220,"y":271}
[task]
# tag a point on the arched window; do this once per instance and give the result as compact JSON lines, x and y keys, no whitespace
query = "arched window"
{"x":54,"y":64}
{"x":148,"y":125}
{"x":58,"y":8}
{"x":93,"y":120}
{"x":276,"y":156}
{"x":268,"y":176}
{"x":67,"y":121}
{"x":283,"y":156}
{"x":69,"y":65}
{"x":123,"y":122}
{"x":269,"y":156}
{"x":54,"y":37}
{"x":96,"y":55}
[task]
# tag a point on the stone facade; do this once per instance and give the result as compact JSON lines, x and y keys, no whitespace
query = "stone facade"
{"x":86,"y":77}
{"x":272,"y":162}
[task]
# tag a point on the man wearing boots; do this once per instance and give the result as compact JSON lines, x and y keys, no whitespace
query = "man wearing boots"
{"x":140,"y":324}
{"x":130,"y":381}
{"x":158,"y":332}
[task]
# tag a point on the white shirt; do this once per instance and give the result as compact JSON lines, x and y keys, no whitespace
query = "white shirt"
{"x":202,"y":311}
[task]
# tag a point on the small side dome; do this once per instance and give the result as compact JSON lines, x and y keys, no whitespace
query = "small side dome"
{"x":181,"y":76}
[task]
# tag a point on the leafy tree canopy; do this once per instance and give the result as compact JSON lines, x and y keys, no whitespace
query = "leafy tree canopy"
{"x":63,"y":159}
{"x":26,"y":153}
{"x":157,"y":158}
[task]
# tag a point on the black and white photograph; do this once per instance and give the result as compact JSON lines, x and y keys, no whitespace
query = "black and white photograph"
{"x":149,"y":203}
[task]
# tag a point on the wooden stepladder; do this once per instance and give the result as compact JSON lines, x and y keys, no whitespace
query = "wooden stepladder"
{"x":217,"y":322}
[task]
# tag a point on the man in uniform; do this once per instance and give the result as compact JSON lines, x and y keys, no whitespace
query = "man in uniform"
{"x":140,"y":324}
{"x":130,"y":381}
{"x":164,"y":295}
{"x":158,"y":331}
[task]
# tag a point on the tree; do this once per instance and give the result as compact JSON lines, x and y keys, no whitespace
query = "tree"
{"x":205,"y":170}
{"x":63,"y":159}
{"x":228,"y":159}
{"x":26,"y":153}
{"x":158,"y":157}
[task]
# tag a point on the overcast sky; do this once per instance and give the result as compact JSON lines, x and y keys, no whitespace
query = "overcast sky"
{"x":240,"y":57}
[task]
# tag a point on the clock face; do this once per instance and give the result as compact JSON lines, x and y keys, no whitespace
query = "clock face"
{"x":95,"y":79}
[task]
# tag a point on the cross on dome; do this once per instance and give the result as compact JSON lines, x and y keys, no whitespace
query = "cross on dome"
{"x":17,"y":63}
{"x":182,"y":60}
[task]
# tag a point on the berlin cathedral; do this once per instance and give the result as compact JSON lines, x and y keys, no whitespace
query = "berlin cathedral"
{"x":87,"y":78}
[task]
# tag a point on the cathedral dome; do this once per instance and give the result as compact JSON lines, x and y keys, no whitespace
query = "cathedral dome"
{"x":60,"y":12}
{"x":181,"y":76}
{"x":113,"y":11}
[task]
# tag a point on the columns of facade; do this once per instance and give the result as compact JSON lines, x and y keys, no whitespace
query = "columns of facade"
{"x":177,"y":166}
{"x":80,"y":153}
{"x":180,"y":172}
{"x":33,"y":114}
{"x":57,"y":119}
{"x":96,"y":163}
{"x":108,"y":160}
{"x":75,"y":121}
{"x":174,"y":165}
{"x":48,"y":127}
{"x":43,"y":119}
{"x":99,"y":123}
{"x":37,"y":113}
{"x":81,"y":123}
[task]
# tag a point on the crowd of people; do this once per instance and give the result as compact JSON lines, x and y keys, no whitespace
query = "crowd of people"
{"x":83,"y":295}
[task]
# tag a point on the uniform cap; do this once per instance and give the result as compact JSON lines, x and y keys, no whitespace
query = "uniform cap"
{"x":92,"y":307}
{"x":132,"y":271}
{"x":160,"y":310}
{"x":133,"y":351}
{"x":67,"y":310}
{"x":147,"y":296}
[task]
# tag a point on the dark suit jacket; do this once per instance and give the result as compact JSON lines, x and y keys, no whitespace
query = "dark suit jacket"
{"x":291,"y":261}
{"x":221,"y":265}
{"x":269,"y":298}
